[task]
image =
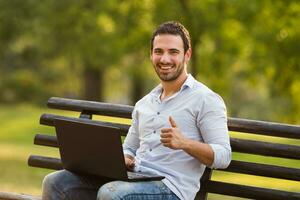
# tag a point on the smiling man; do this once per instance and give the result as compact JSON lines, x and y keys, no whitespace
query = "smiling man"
{"x":177,"y":130}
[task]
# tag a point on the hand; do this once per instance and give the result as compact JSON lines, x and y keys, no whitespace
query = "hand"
{"x":129,"y":162}
{"x":172,"y":137}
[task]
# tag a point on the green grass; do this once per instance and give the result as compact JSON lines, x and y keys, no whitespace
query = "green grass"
{"x":19,"y":124}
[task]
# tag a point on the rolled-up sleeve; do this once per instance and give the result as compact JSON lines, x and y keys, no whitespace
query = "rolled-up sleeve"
{"x":132,"y":142}
{"x":212,"y":122}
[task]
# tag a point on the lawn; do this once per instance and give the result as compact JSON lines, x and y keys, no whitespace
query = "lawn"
{"x":19,"y":124}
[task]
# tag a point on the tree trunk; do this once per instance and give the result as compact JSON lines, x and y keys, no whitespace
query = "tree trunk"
{"x":93,"y":79}
{"x":137,"y":88}
{"x":194,"y":59}
{"x":193,"y":23}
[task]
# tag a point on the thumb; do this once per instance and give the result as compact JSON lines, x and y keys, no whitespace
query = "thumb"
{"x":172,"y":122}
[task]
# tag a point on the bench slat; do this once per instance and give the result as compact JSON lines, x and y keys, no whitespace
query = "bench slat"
{"x":15,"y":196}
{"x":235,"y":166}
{"x":265,"y":148}
{"x":263,"y":170}
{"x":209,"y":186}
{"x":118,"y":110}
{"x":264,"y":128}
{"x":45,"y":162}
{"x":248,"y":191}
{"x":93,"y":107}
{"x":238,"y":145}
{"x":48,"y":119}
{"x":45,"y":140}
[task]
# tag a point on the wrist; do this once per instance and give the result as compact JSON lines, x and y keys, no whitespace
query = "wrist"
{"x":186,"y":144}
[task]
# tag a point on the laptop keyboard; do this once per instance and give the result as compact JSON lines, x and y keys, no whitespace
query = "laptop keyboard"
{"x":135,"y":175}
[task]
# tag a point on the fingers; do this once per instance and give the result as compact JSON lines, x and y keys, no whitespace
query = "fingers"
{"x":166,"y":135}
{"x":169,"y":136}
{"x":172,"y":122}
{"x":166,"y":130}
{"x":166,"y":142}
{"x":130,"y":165}
{"x":129,"y":157}
{"x":129,"y":162}
{"x":173,"y":125}
{"x":166,"y":139}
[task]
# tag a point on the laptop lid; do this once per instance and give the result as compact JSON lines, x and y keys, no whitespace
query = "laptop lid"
{"x":90,"y":147}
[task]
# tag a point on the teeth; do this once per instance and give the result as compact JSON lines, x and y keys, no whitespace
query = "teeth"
{"x":165,"y":67}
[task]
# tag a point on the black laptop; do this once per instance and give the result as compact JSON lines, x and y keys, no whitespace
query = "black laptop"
{"x":94,"y":148}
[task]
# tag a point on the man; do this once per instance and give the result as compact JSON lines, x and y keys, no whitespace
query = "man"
{"x":178,"y":129}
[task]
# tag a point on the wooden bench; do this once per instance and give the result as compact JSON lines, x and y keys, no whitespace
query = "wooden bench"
{"x":87,"y":109}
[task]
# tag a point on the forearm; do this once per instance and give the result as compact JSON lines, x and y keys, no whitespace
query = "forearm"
{"x":201,"y":151}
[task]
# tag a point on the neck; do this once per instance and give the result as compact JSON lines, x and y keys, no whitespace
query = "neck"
{"x":171,"y":87}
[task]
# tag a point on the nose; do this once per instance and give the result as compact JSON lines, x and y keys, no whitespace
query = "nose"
{"x":165,"y":58}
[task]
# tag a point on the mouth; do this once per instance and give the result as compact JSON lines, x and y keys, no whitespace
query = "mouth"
{"x":165,"y":67}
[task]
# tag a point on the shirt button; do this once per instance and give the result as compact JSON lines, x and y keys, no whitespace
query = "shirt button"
{"x":154,"y":131}
{"x":158,"y":113}
{"x":150,"y":149}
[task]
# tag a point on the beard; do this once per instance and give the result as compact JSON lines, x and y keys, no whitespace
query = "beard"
{"x":172,"y":75}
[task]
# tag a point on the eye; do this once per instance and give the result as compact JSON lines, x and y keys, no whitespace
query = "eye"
{"x":157,"y":51}
{"x":174,"y":52}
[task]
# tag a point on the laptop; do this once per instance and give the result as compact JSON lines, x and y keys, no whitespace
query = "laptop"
{"x":94,"y":148}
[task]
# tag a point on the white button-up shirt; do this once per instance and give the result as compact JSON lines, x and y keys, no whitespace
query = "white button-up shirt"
{"x":200,"y":114}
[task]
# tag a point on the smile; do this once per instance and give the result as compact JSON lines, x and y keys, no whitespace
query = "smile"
{"x":165,"y":67}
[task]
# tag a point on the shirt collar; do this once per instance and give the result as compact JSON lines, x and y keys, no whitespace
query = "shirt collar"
{"x":189,"y":82}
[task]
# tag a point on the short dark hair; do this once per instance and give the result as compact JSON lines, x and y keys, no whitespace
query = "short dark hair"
{"x":173,"y":28}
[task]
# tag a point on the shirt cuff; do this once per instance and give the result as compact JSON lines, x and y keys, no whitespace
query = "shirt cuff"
{"x":222,"y":156}
{"x":128,"y":152}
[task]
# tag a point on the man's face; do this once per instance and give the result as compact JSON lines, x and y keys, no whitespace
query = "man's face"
{"x":168,"y":57}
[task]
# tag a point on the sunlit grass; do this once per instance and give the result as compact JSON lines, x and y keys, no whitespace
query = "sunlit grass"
{"x":16,"y":176}
{"x":19,"y":124}
{"x":264,"y":138}
{"x":258,"y":181}
{"x":284,"y":162}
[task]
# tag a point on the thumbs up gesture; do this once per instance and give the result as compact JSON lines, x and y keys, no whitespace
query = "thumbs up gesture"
{"x":172,"y":137}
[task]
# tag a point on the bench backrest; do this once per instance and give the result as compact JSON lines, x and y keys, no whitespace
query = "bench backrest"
{"x":88,"y":108}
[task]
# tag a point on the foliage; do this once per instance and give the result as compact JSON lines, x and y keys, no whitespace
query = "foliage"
{"x":245,"y":50}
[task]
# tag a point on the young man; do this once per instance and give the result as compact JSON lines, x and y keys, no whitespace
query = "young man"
{"x":178,"y":129}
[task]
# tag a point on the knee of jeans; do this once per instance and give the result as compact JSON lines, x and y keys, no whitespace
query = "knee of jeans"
{"x":49,"y":182}
{"x":53,"y":186}
{"x":49,"y":189}
{"x":109,"y":191}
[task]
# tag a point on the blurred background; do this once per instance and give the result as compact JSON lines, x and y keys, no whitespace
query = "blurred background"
{"x":247,"y":51}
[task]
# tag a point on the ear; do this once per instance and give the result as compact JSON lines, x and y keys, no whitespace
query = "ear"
{"x":188,"y":55}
